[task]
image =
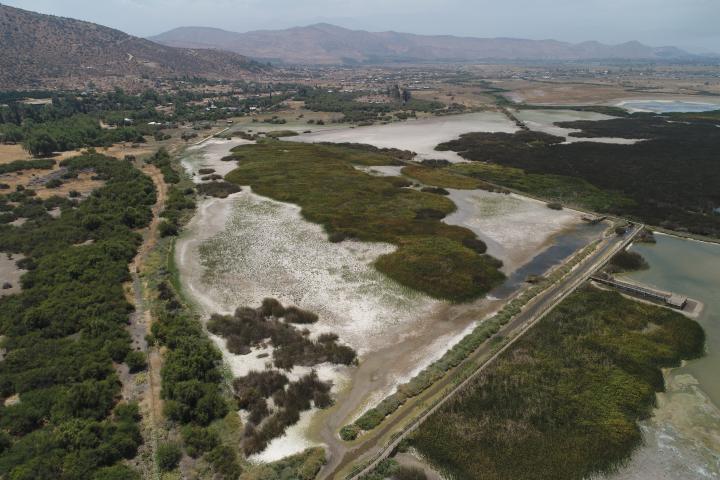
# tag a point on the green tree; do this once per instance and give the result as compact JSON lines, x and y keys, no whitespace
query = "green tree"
{"x":40,"y":144}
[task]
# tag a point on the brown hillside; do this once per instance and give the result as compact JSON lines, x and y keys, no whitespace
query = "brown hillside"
{"x":36,"y":47}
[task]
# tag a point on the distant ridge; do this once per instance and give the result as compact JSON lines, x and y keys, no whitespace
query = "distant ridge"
{"x":36,"y":47}
{"x":331,"y":45}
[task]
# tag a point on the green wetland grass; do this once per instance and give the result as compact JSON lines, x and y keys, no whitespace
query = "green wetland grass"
{"x":564,"y":401}
{"x":321,"y":179}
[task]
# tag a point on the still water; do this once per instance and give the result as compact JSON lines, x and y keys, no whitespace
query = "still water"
{"x":682,"y":440}
{"x":667,"y":106}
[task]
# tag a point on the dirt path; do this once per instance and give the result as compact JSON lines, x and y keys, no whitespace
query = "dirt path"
{"x":147,"y":392}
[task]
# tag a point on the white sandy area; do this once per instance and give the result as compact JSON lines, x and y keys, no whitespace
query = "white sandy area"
{"x":242,"y":249}
{"x":248,"y":249}
{"x":420,"y":136}
{"x":544,"y":121}
{"x":292,"y":442}
{"x":515,"y":228}
{"x":10,"y":273}
{"x":381,"y":171}
{"x":208,"y":155}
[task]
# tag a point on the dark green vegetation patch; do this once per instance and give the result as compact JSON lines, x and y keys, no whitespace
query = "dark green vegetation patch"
{"x":66,"y":328}
{"x":563,"y":402}
{"x":321,"y":179}
{"x":19,"y":165}
{"x":669,"y":179}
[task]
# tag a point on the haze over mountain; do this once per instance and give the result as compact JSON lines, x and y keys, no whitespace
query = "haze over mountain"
{"x":328,"y":44}
{"x":37,"y":47}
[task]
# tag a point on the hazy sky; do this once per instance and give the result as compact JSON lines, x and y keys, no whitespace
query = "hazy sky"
{"x":692,"y":24}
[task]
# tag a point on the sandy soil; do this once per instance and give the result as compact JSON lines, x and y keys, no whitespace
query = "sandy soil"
{"x":10,"y":153}
{"x":10,"y":273}
{"x":420,"y":136}
{"x":515,"y":228}
{"x":34,"y":179}
{"x":544,"y":121}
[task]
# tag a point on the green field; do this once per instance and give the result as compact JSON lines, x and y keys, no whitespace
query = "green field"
{"x":563,"y":402}
{"x":322,"y":180}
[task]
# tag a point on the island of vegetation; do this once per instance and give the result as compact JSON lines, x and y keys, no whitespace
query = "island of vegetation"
{"x":444,"y":261}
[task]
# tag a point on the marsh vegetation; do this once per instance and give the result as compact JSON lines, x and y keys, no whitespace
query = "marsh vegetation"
{"x":321,"y":179}
{"x":563,"y":402}
{"x":669,"y":179}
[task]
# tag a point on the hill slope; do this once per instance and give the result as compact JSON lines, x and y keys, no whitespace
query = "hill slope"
{"x":36,"y":47}
{"x":329,"y":44}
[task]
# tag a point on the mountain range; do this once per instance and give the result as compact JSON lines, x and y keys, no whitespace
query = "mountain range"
{"x":326,"y":44}
{"x":36,"y":47}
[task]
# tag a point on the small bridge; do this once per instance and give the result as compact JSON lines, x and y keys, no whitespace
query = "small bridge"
{"x":666,"y":298}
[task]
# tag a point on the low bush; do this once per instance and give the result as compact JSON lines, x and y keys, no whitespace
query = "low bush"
{"x":136,"y":361}
{"x":168,"y":456}
{"x":219,"y":189}
{"x":224,"y":460}
{"x":198,"y":440}
{"x":349,"y":432}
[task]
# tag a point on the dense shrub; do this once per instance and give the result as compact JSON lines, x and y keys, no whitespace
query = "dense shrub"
{"x":163,"y":161}
{"x":677,"y":162}
{"x":136,"y":361}
{"x":19,"y":165}
{"x":168,"y":456}
{"x":191,"y":379}
{"x":349,"y":432}
{"x":65,"y":328}
{"x":198,"y":440}
{"x":249,"y":327}
{"x":299,"y":396}
{"x":167,"y":229}
{"x":224,"y":460}
{"x":218,"y":189}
